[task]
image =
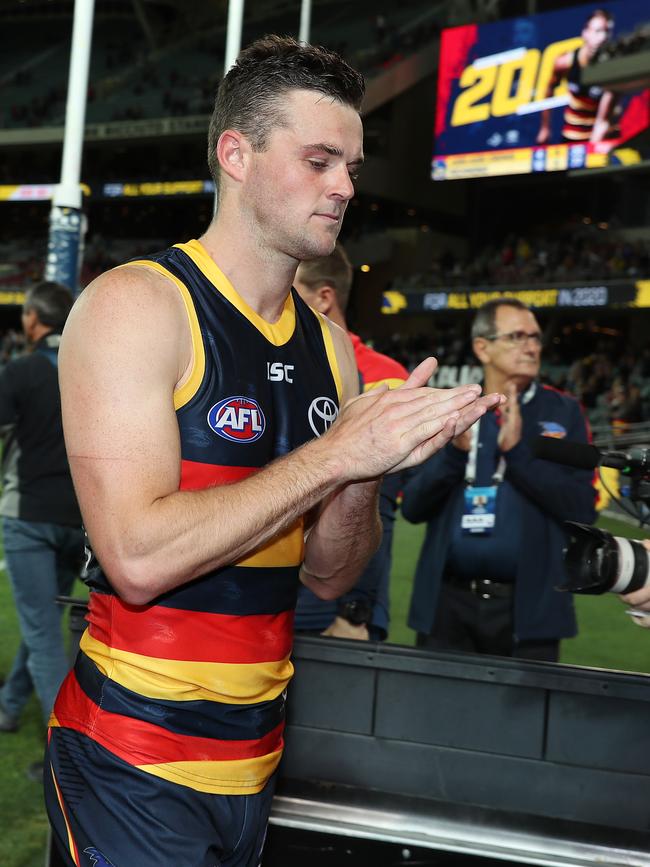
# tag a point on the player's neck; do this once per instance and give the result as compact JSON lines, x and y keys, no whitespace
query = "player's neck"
{"x":263,"y":280}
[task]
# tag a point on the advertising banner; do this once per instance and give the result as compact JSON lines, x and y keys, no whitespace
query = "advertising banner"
{"x":623,"y":293}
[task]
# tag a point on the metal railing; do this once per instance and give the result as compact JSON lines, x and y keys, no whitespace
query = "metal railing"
{"x":618,"y":438}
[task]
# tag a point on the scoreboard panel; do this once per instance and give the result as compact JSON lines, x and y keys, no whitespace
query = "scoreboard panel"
{"x":511,"y":100}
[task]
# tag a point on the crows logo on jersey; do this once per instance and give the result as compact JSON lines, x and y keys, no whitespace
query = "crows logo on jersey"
{"x":97,"y":858}
{"x":238,"y":419}
{"x":552,"y":429}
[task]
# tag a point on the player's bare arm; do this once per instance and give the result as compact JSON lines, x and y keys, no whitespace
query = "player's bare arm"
{"x":125,"y":349}
{"x":560,"y":70}
{"x":347,"y":530}
{"x":601,"y":123}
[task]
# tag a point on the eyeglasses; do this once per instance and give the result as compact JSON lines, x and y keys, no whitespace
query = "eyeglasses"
{"x":518,"y":338}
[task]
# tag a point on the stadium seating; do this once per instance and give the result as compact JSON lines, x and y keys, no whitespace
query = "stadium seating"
{"x":128,"y":80}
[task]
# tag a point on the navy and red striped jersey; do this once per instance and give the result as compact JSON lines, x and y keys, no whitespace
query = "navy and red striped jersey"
{"x":191,"y":687}
{"x":582,"y":108}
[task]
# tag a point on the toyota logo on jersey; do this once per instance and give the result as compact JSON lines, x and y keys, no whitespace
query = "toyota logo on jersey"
{"x":322,"y":414}
{"x":238,"y":419}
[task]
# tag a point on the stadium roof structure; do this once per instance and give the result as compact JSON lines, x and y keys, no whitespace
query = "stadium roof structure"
{"x":621,"y":73}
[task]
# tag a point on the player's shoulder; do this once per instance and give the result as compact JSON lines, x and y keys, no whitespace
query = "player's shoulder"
{"x":128,"y":290}
{"x":122,"y":279}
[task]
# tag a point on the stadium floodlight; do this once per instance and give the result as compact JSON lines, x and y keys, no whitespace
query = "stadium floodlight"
{"x":67,"y":220}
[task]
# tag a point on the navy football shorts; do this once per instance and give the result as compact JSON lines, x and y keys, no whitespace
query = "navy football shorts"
{"x":104,"y":811}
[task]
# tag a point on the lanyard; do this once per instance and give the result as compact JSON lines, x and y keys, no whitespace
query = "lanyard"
{"x":470,"y":469}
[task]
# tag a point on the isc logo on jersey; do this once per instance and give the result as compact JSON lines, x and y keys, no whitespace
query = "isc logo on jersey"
{"x":238,"y":419}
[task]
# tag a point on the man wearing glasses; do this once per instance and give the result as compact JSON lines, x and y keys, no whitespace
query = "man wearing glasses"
{"x":492,"y":555}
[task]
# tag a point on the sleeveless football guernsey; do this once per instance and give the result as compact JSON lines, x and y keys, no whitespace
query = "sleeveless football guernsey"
{"x":191,"y":687}
{"x":582,"y":108}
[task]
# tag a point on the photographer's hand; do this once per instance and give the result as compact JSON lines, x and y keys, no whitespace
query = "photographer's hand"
{"x":639,"y":599}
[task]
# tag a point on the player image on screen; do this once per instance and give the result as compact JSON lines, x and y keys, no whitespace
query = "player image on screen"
{"x":588,"y":114}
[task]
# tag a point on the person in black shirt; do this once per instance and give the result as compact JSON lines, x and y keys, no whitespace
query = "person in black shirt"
{"x":41,"y":523}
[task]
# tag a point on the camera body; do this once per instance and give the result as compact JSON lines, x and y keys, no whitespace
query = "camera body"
{"x":598,"y":562}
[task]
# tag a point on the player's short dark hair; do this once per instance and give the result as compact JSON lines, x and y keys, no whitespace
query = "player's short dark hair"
{"x":334,"y":270}
{"x":51,"y":302}
{"x":598,"y":13}
{"x":484,"y":323}
{"x":250,"y":97}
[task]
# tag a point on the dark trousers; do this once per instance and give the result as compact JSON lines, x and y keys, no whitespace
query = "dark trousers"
{"x":465,"y":621}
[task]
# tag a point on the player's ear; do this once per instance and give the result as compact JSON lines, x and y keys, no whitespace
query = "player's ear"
{"x":232,"y":150}
{"x":325,"y":297}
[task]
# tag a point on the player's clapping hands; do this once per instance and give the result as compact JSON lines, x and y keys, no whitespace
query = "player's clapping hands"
{"x":384,"y":431}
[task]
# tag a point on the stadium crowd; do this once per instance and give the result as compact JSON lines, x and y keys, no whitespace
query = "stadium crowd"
{"x":178,"y":76}
{"x":627,"y":43}
{"x":568,"y":256}
{"x":612,"y":386}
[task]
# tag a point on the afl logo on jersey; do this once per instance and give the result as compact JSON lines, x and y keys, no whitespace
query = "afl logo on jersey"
{"x":238,"y":419}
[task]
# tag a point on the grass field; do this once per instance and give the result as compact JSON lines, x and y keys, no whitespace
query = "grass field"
{"x":607,"y":639}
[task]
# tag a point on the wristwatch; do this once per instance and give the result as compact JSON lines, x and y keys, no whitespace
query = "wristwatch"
{"x":356,"y":611}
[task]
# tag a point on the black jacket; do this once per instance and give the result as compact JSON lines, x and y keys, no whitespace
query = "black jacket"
{"x":35,"y":475}
{"x":551,"y":494}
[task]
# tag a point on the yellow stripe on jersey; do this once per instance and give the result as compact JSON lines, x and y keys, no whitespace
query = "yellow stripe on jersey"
{"x":288,"y":549}
{"x":577,"y":135}
{"x":246,"y":776}
{"x":278,"y":333}
{"x":390,"y":382}
{"x":578,"y":120}
{"x":586,"y":105}
{"x":180,"y":680}
{"x":331,"y":352}
{"x":72,"y":848}
{"x":185,"y":392}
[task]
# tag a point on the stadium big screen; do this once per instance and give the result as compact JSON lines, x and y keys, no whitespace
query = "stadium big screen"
{"x":512,"y":97}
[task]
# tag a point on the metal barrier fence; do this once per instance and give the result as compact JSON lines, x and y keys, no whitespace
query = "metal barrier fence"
{"x":621,"y":437}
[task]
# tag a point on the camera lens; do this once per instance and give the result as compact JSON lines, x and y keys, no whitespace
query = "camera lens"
{"x":632,"y":566}
{"x":597,"y":562}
